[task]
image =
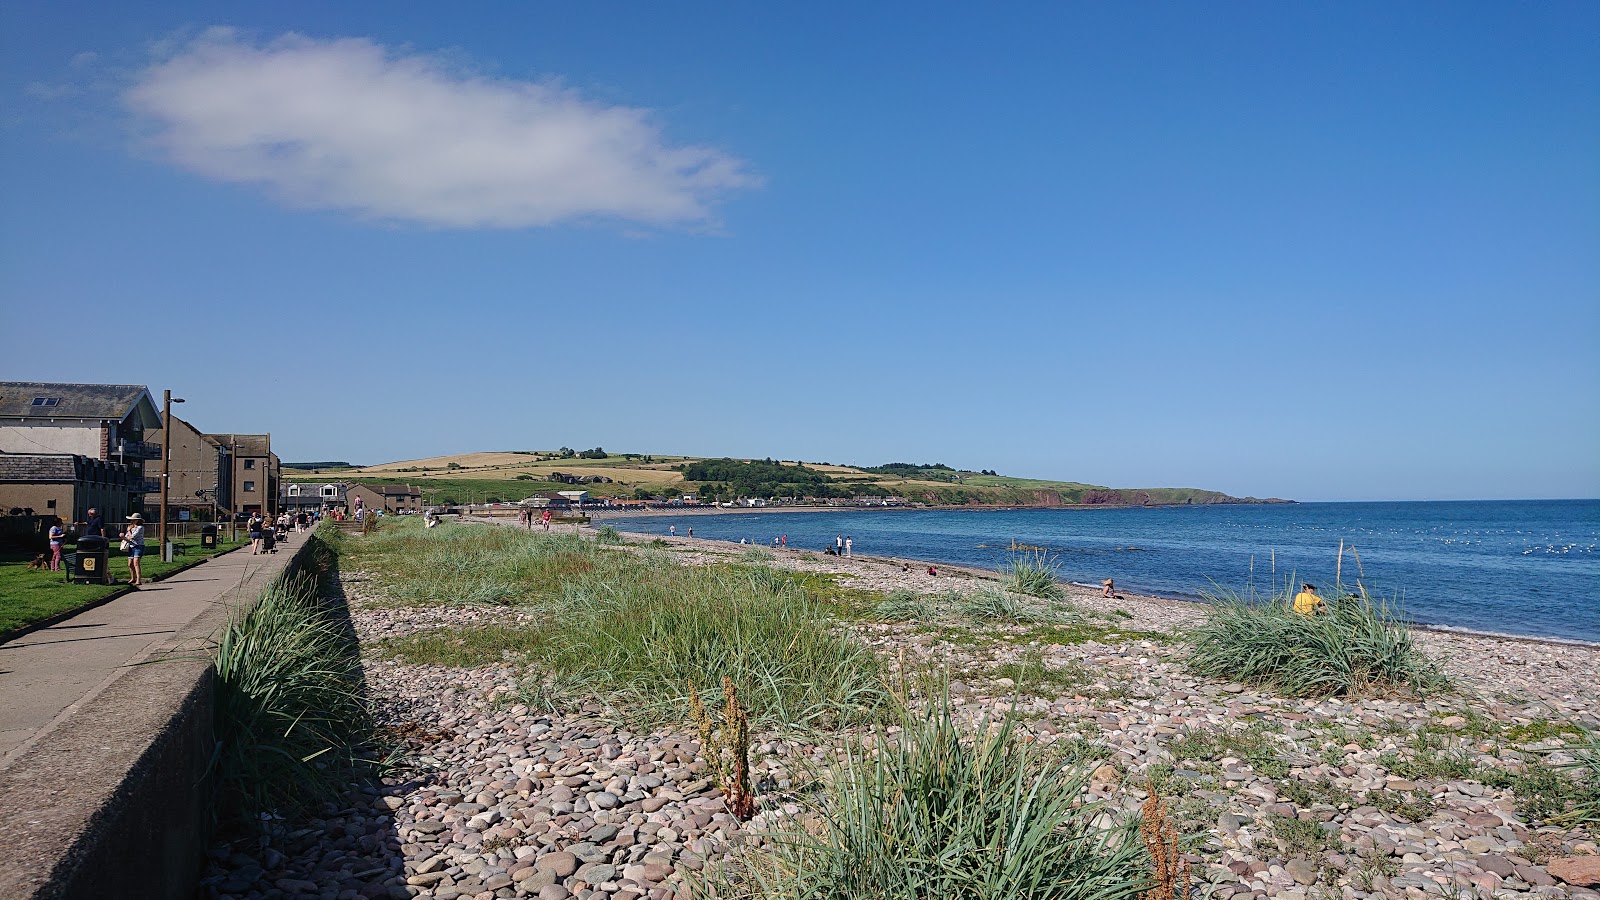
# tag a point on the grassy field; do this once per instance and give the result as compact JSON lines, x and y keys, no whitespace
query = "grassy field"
{"x":512,"y":476}
{"x":29,"y":596}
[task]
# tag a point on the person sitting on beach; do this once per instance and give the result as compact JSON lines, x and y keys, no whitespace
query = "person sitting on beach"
{"x":933,"y":571}
{"x":1307,"y":603}
{"x":1105,"y":588}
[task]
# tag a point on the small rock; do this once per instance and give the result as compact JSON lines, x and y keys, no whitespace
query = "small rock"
{"x":1579,"y":870}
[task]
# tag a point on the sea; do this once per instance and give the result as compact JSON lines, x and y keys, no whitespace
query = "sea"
{"x":1525,"y":567}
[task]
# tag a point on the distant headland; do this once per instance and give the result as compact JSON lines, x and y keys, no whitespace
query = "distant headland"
{"x":515,"y":475}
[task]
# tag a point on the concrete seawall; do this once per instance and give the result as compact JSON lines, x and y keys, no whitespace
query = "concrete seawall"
{"x":111,"y":797}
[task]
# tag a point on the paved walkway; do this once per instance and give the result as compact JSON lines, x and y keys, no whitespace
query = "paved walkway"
{"x":47,"y":675}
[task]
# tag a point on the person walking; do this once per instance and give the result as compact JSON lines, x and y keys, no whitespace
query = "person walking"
{"x":133,"y":537}
{"x":58,"y":537}
{"x":672,"y":530}
{"x":254,"y":527}
{"x":849,"y":547}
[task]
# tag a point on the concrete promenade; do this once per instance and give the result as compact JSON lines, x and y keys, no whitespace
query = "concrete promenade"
{"x":88,"y":701}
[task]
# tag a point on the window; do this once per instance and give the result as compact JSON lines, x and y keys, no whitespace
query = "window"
{"x":249,"y":464}
{"x":329,"y":490}
{"x":294,"y":490}
{"x":46,"y":402}
{"x":50,"y":504}
{"x":250,"y":485}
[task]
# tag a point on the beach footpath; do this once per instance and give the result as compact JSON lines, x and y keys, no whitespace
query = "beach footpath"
{"x":105,"y":736}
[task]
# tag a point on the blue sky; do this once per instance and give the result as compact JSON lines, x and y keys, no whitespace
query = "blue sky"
{"x":1320,"y":251}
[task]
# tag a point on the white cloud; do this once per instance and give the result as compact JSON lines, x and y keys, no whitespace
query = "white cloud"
{"x":346,"y":124}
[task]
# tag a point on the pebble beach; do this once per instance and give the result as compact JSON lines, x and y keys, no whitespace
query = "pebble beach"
{"x":496,"y":796}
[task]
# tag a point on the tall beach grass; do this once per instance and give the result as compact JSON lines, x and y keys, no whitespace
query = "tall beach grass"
{"x":1360,"y":646}
{"x":942,"y":811}
{"x":633,"y":625}
{"x":290,"y":711}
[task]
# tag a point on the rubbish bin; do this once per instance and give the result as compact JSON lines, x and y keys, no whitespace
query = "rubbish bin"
{"x":208,"y":537}
{"x":93,"y":558}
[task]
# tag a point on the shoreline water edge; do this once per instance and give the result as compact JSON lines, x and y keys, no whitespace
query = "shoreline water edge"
{"x":621,"y":520}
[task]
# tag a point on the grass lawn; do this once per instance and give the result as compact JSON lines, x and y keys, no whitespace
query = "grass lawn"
{"x":28,"y":596}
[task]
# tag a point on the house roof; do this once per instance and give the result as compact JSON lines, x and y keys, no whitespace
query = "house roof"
{"x":244,"y":444}
{"x":44,"y":467}
{"x":401,"y":490}
{"x":48,"y":400}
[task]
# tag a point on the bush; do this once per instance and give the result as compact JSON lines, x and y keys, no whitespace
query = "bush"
{"x":1358,"y":647}
{"x":289,"y":707}
{"x":945,"y":812}
{"x":1033,"y":573}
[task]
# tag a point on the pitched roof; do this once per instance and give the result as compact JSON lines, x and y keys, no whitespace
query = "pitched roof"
{"x":244,"y":444}
{"x":47,"y":400}
{"x":402,"y":490}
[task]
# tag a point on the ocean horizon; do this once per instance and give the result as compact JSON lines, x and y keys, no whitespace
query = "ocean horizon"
{"x":1518,"y":567}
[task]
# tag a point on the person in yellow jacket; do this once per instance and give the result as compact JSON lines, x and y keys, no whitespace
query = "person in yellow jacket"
{"x":1307,"y":603}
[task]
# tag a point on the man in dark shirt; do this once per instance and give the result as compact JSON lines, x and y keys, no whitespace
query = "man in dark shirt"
{"x":96,"y":526}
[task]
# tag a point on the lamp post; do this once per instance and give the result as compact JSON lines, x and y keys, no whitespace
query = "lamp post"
{"x":166,"y":467}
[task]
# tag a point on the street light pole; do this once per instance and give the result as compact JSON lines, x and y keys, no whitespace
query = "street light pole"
{"x":166,"y":467}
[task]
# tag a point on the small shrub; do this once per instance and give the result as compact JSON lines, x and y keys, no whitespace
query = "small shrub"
{"x":1160,"y":835}
{"x":727,"y":749}
{"x":943,"y":812}
{"x":1358,"y":647}
{"x":606,"y":534}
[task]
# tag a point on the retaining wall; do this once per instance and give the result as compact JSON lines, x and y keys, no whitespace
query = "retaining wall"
{"x":115,"y":801}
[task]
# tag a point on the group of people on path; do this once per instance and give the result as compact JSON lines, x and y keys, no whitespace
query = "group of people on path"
{"x":264,"y":535}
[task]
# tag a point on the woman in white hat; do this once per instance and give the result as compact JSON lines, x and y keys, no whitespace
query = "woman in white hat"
{"x":133,"y":536}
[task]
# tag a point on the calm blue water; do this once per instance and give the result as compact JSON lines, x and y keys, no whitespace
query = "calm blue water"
{"x":1519,"y":567}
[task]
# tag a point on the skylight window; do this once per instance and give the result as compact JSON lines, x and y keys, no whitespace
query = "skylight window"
{"x":42,"y":402}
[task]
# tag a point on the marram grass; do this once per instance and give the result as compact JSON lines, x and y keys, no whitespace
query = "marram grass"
{"x":1035,"y":573}
{"x":943,"y":811}
{"x":632,"y":625}
{"x":1358,"y":647}
{"x":290,"y":713}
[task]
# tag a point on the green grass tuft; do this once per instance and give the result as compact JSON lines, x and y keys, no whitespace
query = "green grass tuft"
{"x":1034,"y":573}
{"x":1359,"y":647}
{"x":942,"y":811}
{"x":901,"y":606}
{"x":290,"y":715}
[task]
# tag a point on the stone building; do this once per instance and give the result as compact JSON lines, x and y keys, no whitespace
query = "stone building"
{"x":255,"y":473}
{"x":77,"y":441}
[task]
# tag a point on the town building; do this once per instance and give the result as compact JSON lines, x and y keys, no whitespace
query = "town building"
{"x":299,"y":496}
{"x":76,"y":446}
{"x":256,"y":472}
{"x":199,"y":470}
{"x":391,"y":498}
{"x":67,"y":485}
